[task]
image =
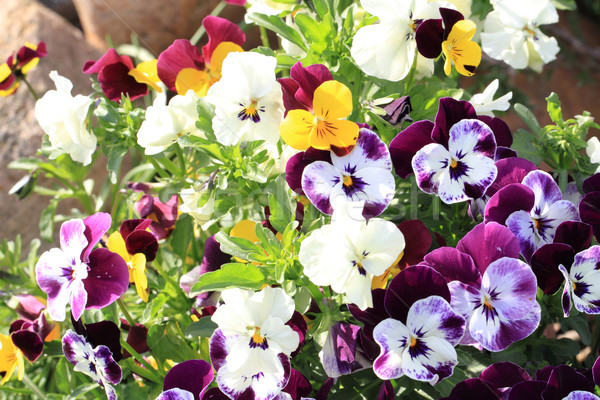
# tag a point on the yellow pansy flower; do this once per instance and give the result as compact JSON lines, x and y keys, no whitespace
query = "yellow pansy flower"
{"x":146,"y":72}
{"x":11,"y":358}
{"x":135,"y":262}
{"x":461,"y":50}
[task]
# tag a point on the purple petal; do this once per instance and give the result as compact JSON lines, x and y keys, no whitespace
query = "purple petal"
{"x":545,"y":262}
{"x":501,"y":130}
{"x":429,"y":37}
{"x":30,"y":344}
{"x":504,"y":374}
{"x":581,"y":395}
{"x":410,"y":285}
{"x":450,"y":112}
{"x":398,"y":111}
{"x":325,"y":388}
{"x":407,"y":143}
{"x":545,"y":190}
{"x":589,"y":210}
{"x":298,"y":386}
{"x":298,"y":325}
{"x":511,"y":198}
{"x":108,"y":278}
{"x":486,"y":243}
{"x":75,"y":347}
{"x":369,"y":152}
{"x":309,"y":79}
{"x":191,"y":375}
{"x":596,"y":371}
{"x":29,"y":306}
{"x":585,"y":280}
{"x":392,"y":335}
{"x":564,"y":380}
{"x":527,"y":390}
{"x":576,"y":234}
{"x":435,"y":317}
{"x":474,"y":388}
{"x":105,"y":333}
{"x":296,"y":164}
{"x":104,"y":360}
{"x":566,"y":296}
{"x":510,"y":170}
{"x":417,"y":242}
{"x":591,"y":184}
{"x":175,"y":394}
{"x":318,"y":181}
{"x":465,"y":299}
{"x":131,"y":225}
{"x":218,"y":349}
{"x":213,"y":394}
{"x":338,"y":355}
{"x":95,"y":226}
{"x":72,"y":239}
{"x":53,"y":276}
{"x":471,"y":136}
{"x":430,"y":166}
{"x":386,"y":392}
{"x":140,"y":241}
{"x":453,"y":265}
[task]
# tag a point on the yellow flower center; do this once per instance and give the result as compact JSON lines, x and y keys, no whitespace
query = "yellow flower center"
{"x":347,"y":181}
{"x":453,"y":163}
{"x":487,"y":304}
{"x":413,"y":341}
{"x":256,"y":338}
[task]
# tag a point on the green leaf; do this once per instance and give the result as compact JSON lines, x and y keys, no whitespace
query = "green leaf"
{"x":554,"y":110}
{"x":243,"y":276}
{"x":528,"y":117}
{"x":240,"y":248}
{"x":254,"y":172}
{"x":318,"y":34}
{"x":282,"y":211}
{"x":204,"y":327}
{"x":115,"y":157}
{"x":182,"y":235}
{"x":524,"y":143}
{"x":206,"y":113}
{"x":561,"y":4}
{"x":166,"y":343}
{"x":82,"y":390}
{"x":153,"y":307}
{"x":579,"y":322}
{"x":278,"y":25}
{"x":47,"y":221}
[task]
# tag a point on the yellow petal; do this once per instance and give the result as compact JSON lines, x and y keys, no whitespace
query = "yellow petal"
{"x":116,"y":244}
{"x":190,"y":78}
{"x":461,"y":31}
{"x":380,"y":282}
{"x":296,"y":127}
{"x":332,"y":100}
{"x":138,"y":263}
{"x":20,"y":365}
{"x":460,"y":50}
{"x":219,"y":54}
{"x":245,"y":229}
{"x":146,"y":72}
{"x":8,"y":92}
{"x":469,"y":59}
{"x":5,"y":71}
{"x":8,"y":357}
{"x":29,"y":66}
{"x":340,"y":133}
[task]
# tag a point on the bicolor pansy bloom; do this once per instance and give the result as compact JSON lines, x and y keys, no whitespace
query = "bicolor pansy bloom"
{"x":582,"y":282}
{"x":187,"y":381}
{"x":183,"y":67}
{"x":366,"y":249}
{"x":18,"y":65}
{"x":532,"y":210}
{"x":24,"y":340}
{"x":74,"y":274}
{"x":251,"y":348}
{"x":464,"y":169}
{"x":423,"y":347}
{"x":363,"y":174}
{"x":96,"y":362}
{"x":339,"y":355}
{"x":248,"y":99}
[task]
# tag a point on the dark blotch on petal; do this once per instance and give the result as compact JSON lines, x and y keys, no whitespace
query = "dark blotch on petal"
{"x":298,"y":386}
{"x":105,"y":333}
{"x":504,"y":374}
{"x":191,"y":375}
{"x":30,"y":343}
{"x":407,"y":143}
{"x":429,"y":37}
{"x":545,"y":262}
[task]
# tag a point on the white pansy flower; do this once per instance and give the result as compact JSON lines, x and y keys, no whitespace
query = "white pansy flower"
{"x":462,"y":6}
{"x":593,"y":151}
{"x":251,"y":348}
{"x":362,"y":250}
{"x":248,"y":99}
{"x":63,"y":119}
{"x":387,"y":49}
{"x":485,"y":104}
{"x":512,"y":33}
{"x":165,"y":123}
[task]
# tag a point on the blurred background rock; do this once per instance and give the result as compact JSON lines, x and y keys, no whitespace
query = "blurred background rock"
{"x":77,"y":30}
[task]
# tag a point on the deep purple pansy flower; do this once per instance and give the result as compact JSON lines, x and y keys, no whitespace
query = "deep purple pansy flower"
{"x":532,"y":210}
{"x":589,"y":206}
{"x":431,"y":33}
{"x":76,"y":275}
{"x":28,"y":338}
{"x":113,"y":75}
{"x":340,"y":354}
{"x":187,"y":381}
{"x":365,"y":173}
{"x":96,"y":362}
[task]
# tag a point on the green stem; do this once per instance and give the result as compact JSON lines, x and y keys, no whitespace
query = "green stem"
{"x":126,"y":313}
{"x":201,"y":31}
{"x":264,"y":36}
{"x":152,"y":375}
{"x":179,"y":155}
{"x":31,"y":89}
{"x":33,"y":387}
{"x":410,"y":79}
{"x":159,"y":168}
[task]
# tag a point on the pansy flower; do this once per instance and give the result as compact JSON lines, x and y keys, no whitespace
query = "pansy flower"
{"x":96,"y":362}
{"x":23,"y":341}
{"x":316,"y":108}
{"x":364,"y":250}
{"x":113,"y":75}
{"x":589,"y":206}
{"x":251,"y":348}
{"x":340,"y":354}
{"x":582,"y":282}
{"x":363,"y":174}
{"x":187,"y":381}
{"x":387,"y":49}
{"x":532,"y":210}
{"x":453,"y":40}
{"x":146,"y":72}
{"x":18,"y":65}
{"x":182,"y":66}
{"x":490,"y":286}
{"x":419,"y":338}
{"x":248,"y":99}
{"x":74,"y":274}
{"x":163,"y":215}
{"x":137,"y":246}
{"x":484,"y":102}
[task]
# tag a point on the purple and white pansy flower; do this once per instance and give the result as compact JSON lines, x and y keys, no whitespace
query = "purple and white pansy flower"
{"x":363,"y":174}
{"x":532,"y":210}
{"x":464,"y":169}
{"x":582,"y":282}
{"x":251,"y":348}
{"x":97,"y":363}
{"x":419,"y":338}
{"x":74,"y":274}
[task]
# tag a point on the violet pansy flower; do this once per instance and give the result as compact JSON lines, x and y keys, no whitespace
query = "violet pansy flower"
{"x":74,"y":274}
{"x":97,"y":363}
{"x":363,"y":174}
{"x":532,"y":210}
{"x":582,"y":282}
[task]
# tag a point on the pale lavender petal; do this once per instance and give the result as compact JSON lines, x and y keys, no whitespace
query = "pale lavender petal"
{"x":72,"y":239}
{"x":568,"y":288}
{"x":585,"y":281}
{"x":522,"y":226}
{"x":218,"y":348}
{"x":111,"y":371}
{"x":471,"y":136}
{"x":557,"y":213}
{"x":318,"y":180}
{"x":377,"y":190}
{"x":369,"y":152}
{"x":175,"y":394}
{"x":111,"y":394}
{"x":53,"y":277}
{"x":95,"y":226}
{"x":392,"y":336}
{"x":464,"y":300}
{"x":509,"y":286}
{"x":434,"y":316}
{"x":472,"y":176}
{"x":581,"y":395}
{"x":75,"y":347}
{"x":429,"y":360}
{"x":545,"y":190}
{"x":78,"y":298}
{"x":338,"y":355}
{"x":429,"y":164}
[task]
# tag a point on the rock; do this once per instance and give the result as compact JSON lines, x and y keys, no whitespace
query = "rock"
{"x":64,"y":8}
{"x":20,"y":134}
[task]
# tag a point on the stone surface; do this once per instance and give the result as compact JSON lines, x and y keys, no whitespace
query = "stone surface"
{"x":20,"y":134}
